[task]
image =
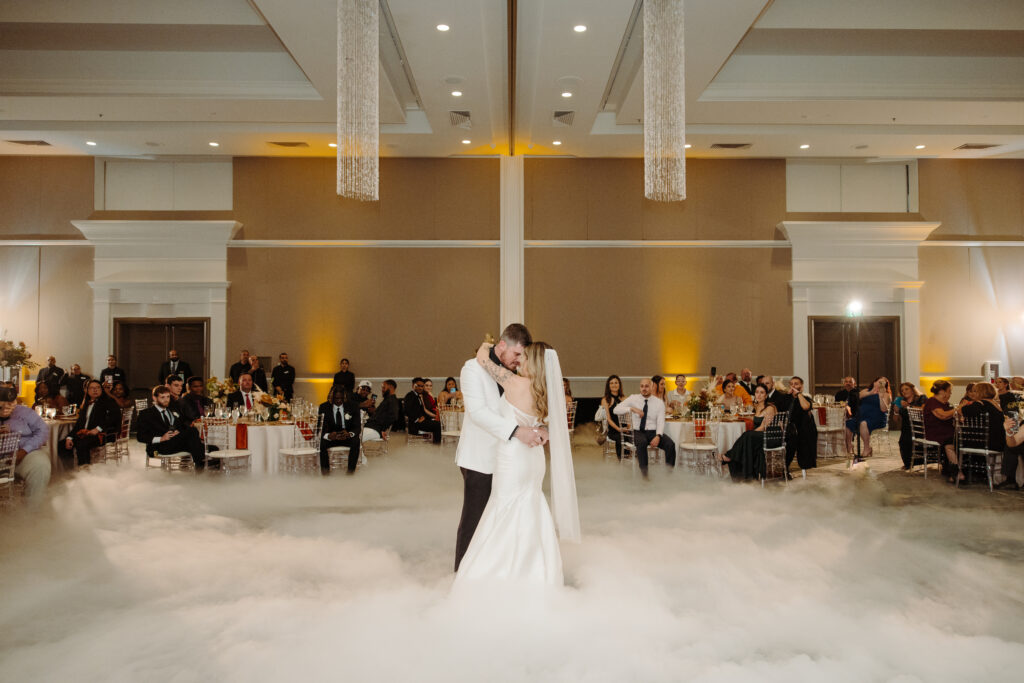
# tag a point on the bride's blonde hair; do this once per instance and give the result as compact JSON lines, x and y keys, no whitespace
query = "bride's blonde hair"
{"x":533,"y":361}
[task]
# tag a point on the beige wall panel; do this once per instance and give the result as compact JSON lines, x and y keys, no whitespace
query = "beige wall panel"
{"x":419,"y":199}
{"x":973,"y":197}
{"x":42,"y":195}
{"x":972,"y":309}
{"x":641,"y":312}
{"x":603,"y":199}
{"x":393,"y":312}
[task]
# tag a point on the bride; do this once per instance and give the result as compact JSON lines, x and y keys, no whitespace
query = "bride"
{"x":516,"y":539}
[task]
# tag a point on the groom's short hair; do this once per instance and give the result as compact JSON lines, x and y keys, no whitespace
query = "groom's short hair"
{"x":516,"y":333}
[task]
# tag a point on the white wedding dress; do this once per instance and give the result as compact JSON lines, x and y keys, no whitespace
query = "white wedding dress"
{"x":515,"y":539}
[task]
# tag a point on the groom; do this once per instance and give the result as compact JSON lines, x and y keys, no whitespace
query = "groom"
{"x":484,"y":429}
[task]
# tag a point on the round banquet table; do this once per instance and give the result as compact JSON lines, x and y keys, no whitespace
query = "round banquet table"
{"x":59,"y":430}
{"x":265,"y":441}
{"x":724,"y":433}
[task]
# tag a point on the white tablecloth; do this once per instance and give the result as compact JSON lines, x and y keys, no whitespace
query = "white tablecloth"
{"x":59,"y":430}
{"x":265,"y":441}
{"x":724,"y":434}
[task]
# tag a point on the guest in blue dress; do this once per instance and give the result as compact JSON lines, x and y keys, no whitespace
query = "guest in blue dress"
{"x":872,"y":412}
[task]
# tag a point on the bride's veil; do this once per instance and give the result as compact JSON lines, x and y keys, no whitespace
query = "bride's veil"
{"x":564,"y":507}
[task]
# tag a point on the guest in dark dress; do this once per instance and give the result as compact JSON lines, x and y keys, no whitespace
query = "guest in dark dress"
{"x":613,"y":396}
{"x":986,"y":403}
{"x":909,"y":397}
{"x":802,"y":432}
{"x":99,"y":421}
{"x":259,"y":375}
{"x":938,"y":424}
{"x":746,"y":457}
{"x":872,"y":409}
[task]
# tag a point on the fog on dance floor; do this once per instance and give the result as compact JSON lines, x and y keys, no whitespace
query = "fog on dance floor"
{"x":144,"y":576}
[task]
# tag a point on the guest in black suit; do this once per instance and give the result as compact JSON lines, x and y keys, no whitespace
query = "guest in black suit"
{"x":176,"y":385}
{"x":112,"y":373}
{"x":194,"y":404}
{"x":747,"y":382}
{"x":283,"y":376}
{"x":384,"y":415}
{"x":174,"y":366}
{"x":344,"y":378}
{"x":341,"y":427}
{"x":259,"y":376}
{"x":802,"y":433}
{"x":74,"y":385}
{"x":416,"y":413}
{"x":99,"y":419}
{"x":51,"y":376}
{"x":782,"y":402}
{"x":247,"y":395}
{"x":163,"y":429}
{"x":242,"y":366}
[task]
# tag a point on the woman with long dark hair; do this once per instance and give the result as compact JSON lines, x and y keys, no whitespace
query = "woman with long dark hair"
{"x":613,"y":395}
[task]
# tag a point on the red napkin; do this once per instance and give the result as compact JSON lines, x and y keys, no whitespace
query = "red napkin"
{"x":241,"y":436}
{"x":305,"y":429}
{"x":699,"y":430}
{"x":822,"y":415}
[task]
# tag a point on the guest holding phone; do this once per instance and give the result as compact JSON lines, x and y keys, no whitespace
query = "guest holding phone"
{"x":451,"y":392}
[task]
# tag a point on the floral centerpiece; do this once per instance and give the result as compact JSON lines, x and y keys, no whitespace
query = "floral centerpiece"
{"x":219,"y":389}
{"x":271,"y":409}
{"x":14,"y":357}
{"x":702,"y":401}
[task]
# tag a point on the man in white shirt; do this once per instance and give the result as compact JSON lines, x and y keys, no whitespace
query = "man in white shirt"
{"x":678,"y":397}
{"x":648,"y":417}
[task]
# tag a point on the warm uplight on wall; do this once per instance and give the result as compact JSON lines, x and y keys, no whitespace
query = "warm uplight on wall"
{"x":556,"y":143}
{"x":805,"y":146}
{"x":919,"y":147}
{"x":854,"y":309}
{"x":443,"y":27}
{"x":214,"y":144}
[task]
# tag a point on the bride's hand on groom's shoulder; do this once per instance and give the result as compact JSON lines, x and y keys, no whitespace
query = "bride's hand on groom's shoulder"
{"x":484,"y":351}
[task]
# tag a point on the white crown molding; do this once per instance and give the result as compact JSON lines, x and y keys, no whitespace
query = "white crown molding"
{"x":237,"y":90}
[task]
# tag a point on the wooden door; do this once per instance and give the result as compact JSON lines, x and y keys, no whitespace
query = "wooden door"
{"x":863,"y":348}
{"x":141,"y":347}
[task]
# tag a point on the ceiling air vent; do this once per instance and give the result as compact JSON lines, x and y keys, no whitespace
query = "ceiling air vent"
{"x":562,"y":119}
{"x":977,"y":145}
{"x":460,"y":119}
{"x":290,"y":144}
{"x":731,"y":145}
{"x":30,"y":143}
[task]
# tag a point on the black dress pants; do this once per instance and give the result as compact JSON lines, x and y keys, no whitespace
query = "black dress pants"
{"x":353,"y":453}
{"x":430,"y":426}
{"x":186,"y":440}
{"x":475,"y":493}
{"x":666,"y":444}
{"x":82,"y":446}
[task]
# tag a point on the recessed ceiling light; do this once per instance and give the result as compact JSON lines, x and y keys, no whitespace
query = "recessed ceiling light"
{"x":687,"y":146}
{"x":214,"y":144}
{"x":556,"y":143}
{"x":805,"y":146}
{"x":567,"y":94}
{"x":456,"y":93}
{"x":332,"y":144}
{"x":919,"y":147}
{"x":443,"y":27}
{"x":90,"y":143}
{"x":466,"y":142}
{"x":579,"y":28}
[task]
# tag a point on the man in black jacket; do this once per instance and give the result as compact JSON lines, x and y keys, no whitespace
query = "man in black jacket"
{"x":416,"y":414}
{"x":99,"y":421}
{"x":242,"y":366}
{"x":341,"y":427}
{"x":174,"y":366}
{"x":194,"y":405}
{"x":51,"y":376}
{"x":74,"y":385}
{"x":284,"y":376}
{"x":163,"y":429}
{"x":111,"y":374}
{"x":385,"y":414}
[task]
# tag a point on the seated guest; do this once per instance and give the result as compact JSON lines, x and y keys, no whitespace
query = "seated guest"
{"x":737,"y":389}
{"x":938,"y":425}
{"x":118,"y":393}
{"x":259,"y":377}
{"x":429,"y":402}
{"x":1008,"y":402}
{"x":850,"y":394}
{"x":177,"y":386}
{"x":660,"y":387}
{"x":247,"y":395}
{"x":73,"y":384}
{"x":678,"y":397}
{"x":50,"y":375}
{"x":112,"y":373}
{"x":283,"y":377}
{"x":568,"y":391}
{"x":451,"y":392}
{"x":613,"y":396}
{"x":985,"y":403}
{"x":384,"y":415}
{"x":1017,"y":383}
{"x":968,"y":395}
{"x":195,"y":405}
{"x":364,"y":397}
{"x":746,"y":457}
{"x":415,"y":414}
{"x":1005,"y":395}
{"x":872,"y":410}
{"x":746,"y":382}
{"x":173,"y":366}
{"x":1014,"y":446}
{"x":648,"y":418}
{"x":32,"y":458}
{"x":45,"y":400}
{"x":163,"y":429}
{"x":802,"y":432}
{"x":782,"y":401}
{"x":341,"y":427}
{"x":242,"y":366}
{"x":729,"y":399}
{"x":910,"y":397}
{"x":99,"y":419}
{"x":344,"y":378}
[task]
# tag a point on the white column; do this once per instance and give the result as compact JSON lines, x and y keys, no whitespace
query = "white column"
{"x":513,"y":307}
{"x":801,"y":345}
{"x":102,"y":330}
{"x":911,"y":346}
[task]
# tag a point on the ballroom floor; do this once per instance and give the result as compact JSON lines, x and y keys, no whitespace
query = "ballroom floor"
{"x":862,"y":576}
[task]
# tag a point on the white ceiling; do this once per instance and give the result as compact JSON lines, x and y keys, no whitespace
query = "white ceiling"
{"x":851,"y":78}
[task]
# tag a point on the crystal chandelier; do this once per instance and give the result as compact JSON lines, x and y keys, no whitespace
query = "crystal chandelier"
{"x":664,"y":101}
{"x":358,"y":97}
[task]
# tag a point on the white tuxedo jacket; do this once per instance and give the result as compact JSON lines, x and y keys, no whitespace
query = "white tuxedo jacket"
{"x":484,"y":428}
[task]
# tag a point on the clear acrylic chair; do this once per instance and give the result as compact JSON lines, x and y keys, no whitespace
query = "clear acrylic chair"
{"x":697,"y":454}
{"x":231,"y":461}
{"x":377,"y":446}
{"x":337,"y":458}
{"x":830,"y":434}
{"x":921,"y":447}
{"x":609,"y":443}
{"x":451,"y":423}
{"x":628,"y":444}
{"x":303,"y":456}
{"x":8,"y":461}
{"x":972,"y":446}
{"x":775,"y":449}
